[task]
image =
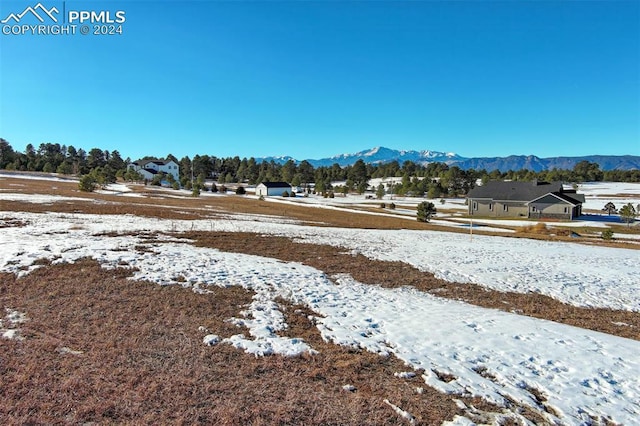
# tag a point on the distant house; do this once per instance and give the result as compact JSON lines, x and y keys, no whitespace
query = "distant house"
{"x":269,"y":189}
{"x":150,"y":168}
{"x":533,"y":200}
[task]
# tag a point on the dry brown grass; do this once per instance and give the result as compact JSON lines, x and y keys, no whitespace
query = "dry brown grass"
{"x":162,"y":204}
{"x":140,"y":359}
{"x":395,"y":274}
{"x":385,"y":273}
{"x":541,"y":228}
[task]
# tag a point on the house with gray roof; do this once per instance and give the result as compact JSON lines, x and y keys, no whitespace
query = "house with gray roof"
{"x":532,"y":200}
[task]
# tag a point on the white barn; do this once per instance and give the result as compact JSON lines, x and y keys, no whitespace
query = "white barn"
{"x":149,"y":168}
{"x":270,"y":189}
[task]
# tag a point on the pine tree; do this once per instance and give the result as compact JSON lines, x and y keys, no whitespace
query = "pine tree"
{"x":426,"y":210}
{"x":610,"y":208}
{"x":628,"y":213}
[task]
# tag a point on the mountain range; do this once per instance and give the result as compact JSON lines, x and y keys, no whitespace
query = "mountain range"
{"x":381,"y":155}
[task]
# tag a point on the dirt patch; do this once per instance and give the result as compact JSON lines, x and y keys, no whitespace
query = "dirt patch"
{"x":11,"y":222}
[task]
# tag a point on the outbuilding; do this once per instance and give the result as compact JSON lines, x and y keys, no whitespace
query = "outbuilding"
{"x":273,"y":189}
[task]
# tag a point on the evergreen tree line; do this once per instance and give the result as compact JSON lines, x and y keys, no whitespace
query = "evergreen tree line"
{"x":434,"y":179}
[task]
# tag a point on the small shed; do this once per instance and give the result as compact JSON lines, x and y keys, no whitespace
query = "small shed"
{"x":271,"y":189}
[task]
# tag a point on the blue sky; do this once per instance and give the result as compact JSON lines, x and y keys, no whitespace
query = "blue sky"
{"x":315,"y":79}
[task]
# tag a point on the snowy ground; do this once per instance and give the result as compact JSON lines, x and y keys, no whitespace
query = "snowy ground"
{"x":502,"y":357}
{"x":496,"y":355}
{"x":597,"y":194}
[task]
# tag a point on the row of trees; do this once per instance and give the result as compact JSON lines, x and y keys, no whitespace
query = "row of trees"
{"x":434,"y":179}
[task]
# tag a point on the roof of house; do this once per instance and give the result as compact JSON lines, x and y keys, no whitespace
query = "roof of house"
{"x":276,"y":184}
{"x":143,"y":163}
{"x":561,"y":197}
{"x":514,"y":190}
{"x":573,"y":196}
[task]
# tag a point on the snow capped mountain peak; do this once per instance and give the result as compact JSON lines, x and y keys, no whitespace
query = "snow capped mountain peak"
{"x":373,"y":151}
{"x":380,"y":155}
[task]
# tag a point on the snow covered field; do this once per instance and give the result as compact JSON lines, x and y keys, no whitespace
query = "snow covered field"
{"x":569,"y":375}
{"x":597,"y":194}
{"x":496,"y":355}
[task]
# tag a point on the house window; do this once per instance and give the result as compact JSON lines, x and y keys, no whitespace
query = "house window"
{"x":566,"y":210}
{"x":475,"y":205}
{"x":533,"y":208}
{"x":490,"y":207}
{"x":505,"y":208}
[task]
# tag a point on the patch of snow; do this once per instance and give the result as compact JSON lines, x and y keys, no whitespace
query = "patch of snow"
{"x":572,"y":273}
{"x":593,"y":189}
{"x":211,"y":339}
{"x":65,"y":350}
{"x":402,"y":413}
{"x":39,"y":198}
{"x":9,"y":324}
{"x":11,"y":334}
{"x":34,"y":176}
{"x":405,"y":374}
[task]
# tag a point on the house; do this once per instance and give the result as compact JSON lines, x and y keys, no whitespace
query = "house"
{"x":150,"y":168}
{"x":267,"y":189}
{"x":525,"y":199}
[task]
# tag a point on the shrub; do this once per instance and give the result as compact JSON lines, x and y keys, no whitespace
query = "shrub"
{"x":157,"y":180}
{"x":223,"y":189}
{"x":539,"y":228}
{"x":331,"y":194}
{"x":240,"y":190}
{"x":87,"y":183}
{"x":261,"y":198}
{"x":214,"y":188}
{"x":607,"y":234}
{"x":175,"y":185}
{"x":285,"y":194}
{"x":392,"y":206}
{"x":383,"y":206}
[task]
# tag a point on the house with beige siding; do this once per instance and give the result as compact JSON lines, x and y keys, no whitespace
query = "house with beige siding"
{"x":534,"y":200}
